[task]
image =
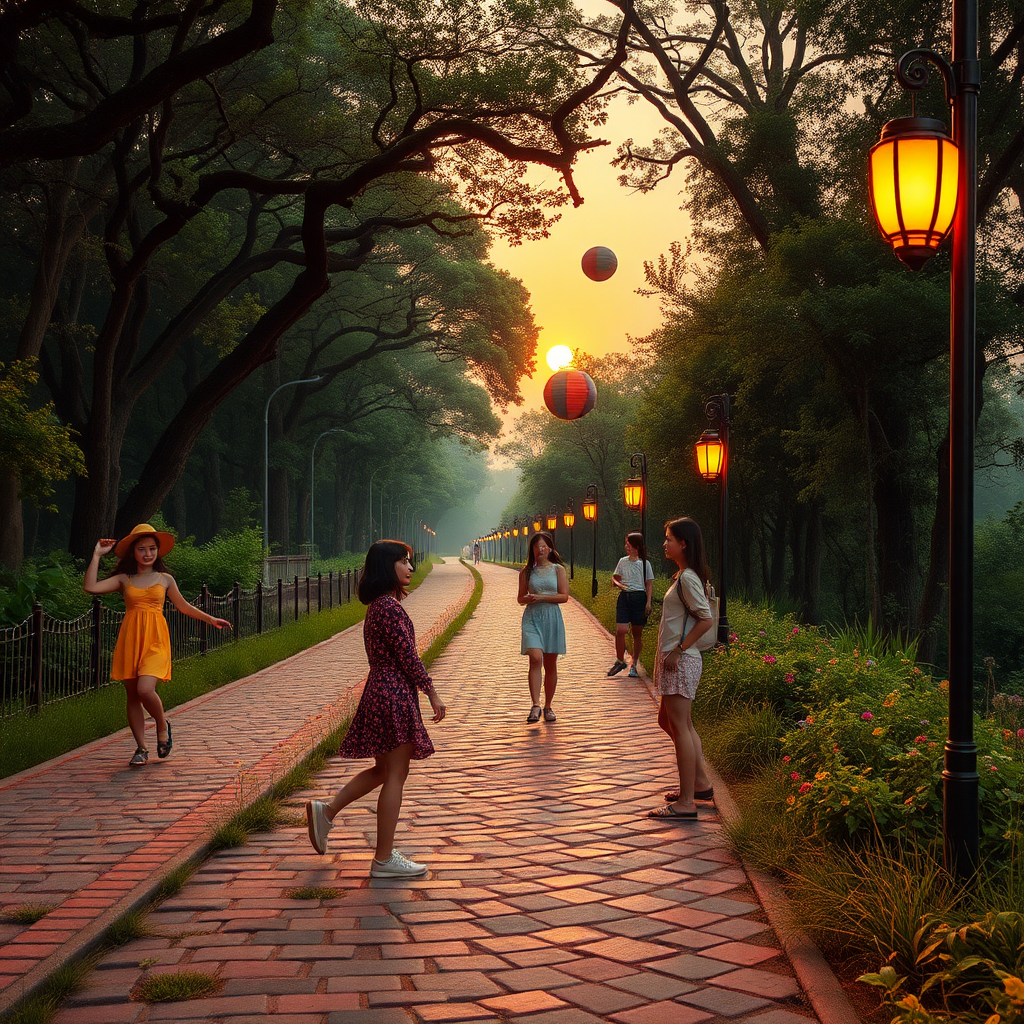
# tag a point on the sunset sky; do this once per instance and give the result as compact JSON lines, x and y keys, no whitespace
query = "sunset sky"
{"x":569,"y":308}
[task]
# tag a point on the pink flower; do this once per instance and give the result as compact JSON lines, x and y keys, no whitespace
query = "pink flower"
{"x":913,"y":752}
{"x":769,"y":659}
{"x":790,"y":678}
{"x":1020,"y":734}
{"x":805,"y":787}
{"x":733,"y":637}
{"x":795,"y":776}
{"x":796,"y":629}
{"x":992,"y":768}
{"x":867,"y":716}
{"x":786,"y":759}
{"x":921,"y":739}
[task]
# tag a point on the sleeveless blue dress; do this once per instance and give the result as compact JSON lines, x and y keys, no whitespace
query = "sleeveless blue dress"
{"x":543,"y":628}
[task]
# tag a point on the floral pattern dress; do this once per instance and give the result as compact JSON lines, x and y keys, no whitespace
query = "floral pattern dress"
{"x":389,"y":709}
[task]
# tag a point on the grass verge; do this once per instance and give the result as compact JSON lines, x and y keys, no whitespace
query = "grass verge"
{"x":32,"y":738}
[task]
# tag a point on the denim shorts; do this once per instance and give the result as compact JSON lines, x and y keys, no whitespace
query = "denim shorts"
{"x":631,"y":608}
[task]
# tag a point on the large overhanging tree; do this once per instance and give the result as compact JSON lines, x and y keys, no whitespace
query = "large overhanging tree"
{"x":757,"y":102}
{"x":256,"y":161}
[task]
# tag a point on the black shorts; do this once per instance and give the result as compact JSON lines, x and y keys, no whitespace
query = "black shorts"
{"x":631,"y":608}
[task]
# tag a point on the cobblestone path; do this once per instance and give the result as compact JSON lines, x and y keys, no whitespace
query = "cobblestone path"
{"x":551,"y":898}
{"x":89,"y":836}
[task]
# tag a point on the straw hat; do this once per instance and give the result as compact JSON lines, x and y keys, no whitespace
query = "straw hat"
{"x":164,"y":540}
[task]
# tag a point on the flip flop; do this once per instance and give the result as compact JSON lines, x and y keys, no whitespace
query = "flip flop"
{"x":667,"y":812}
{"x":698,"y":794}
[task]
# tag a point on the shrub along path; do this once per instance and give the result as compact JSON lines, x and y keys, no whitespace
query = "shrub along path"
{"x":90,"y":837}
{"x":551,"y":898}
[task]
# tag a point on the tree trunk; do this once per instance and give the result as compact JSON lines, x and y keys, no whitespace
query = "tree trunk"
{"x":796,"y":548}
{"x":213,"y":489}
{"x":178,"y":508}
{"x":280,"y":511}
{"x":812,"y":563}
{"x":778,"y":567}
{"x":12,"y":526}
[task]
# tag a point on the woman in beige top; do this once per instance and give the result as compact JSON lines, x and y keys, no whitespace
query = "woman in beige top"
{"x":685,"y":616}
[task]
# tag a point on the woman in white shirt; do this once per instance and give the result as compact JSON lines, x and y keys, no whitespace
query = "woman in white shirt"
{"x":635,"y":579}
{"x":685,"y":616}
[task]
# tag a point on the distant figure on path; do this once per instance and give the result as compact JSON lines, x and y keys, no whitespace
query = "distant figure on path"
{"x":635,"y":579}
{"x":387,"y":725}
{"x":476,"y":553}
{"x":142,"y":655}
{"x":685,"y":616}
{"x":543,"y":586}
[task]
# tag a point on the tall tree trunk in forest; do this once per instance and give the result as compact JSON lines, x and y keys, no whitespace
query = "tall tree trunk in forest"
{"x":778,"y":567}
{"x":812,"y":563}
{"x":12,"y":527}
{"x":796,"y":548}
{"x":213,"y":489}
{"x":179,"y":510}
{"x":746,"y":543}
{"x":280,"y":511}
{"x":874,"y":601}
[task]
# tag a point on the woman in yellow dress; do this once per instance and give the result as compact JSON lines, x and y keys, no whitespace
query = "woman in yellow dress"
{"x":142,"y":655}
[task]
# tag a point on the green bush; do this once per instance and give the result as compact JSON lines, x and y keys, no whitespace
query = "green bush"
{"x":54,"y":581}
{"x":220,"y":563}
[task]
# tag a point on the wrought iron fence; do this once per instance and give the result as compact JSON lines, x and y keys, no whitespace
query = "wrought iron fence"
{"x":44,"y":659}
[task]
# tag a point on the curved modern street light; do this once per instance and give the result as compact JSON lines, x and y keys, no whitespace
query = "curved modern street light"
{"x":713,"y":464}
{"x":266,"y":454}
{"x":900,"y":188}
{"x":590,"y":512}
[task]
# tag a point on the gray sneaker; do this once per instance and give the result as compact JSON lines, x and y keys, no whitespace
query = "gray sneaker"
{"x":318,"y":825}
{"x":396,"y":866}
{"x":633,"y":674}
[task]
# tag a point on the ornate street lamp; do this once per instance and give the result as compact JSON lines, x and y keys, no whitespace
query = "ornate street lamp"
{"x":536,"y":523}
{"x":552,"y":520}
{"x":590,"y":512}
{"x":713,"y":465}
{"x":569,"y":519}
{"x":962,"y":81}
{"x":635,"y":490}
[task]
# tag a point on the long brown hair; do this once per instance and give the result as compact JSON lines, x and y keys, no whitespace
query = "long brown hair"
{"x":128,"y":566}
{"x":531,"y":558}
{"x":687,"y":532}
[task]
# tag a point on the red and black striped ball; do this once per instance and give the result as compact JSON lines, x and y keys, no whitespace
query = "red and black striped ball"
{"x":599,"y":263}
{"x":570,"y":394}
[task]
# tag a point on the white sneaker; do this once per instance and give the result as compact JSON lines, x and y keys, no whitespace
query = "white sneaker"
{"x":396,"y":866}
{"x":318,"y":824}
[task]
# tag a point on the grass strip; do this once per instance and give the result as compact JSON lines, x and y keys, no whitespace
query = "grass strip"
{"x":444,"y":638}
{"x":34,"y":737}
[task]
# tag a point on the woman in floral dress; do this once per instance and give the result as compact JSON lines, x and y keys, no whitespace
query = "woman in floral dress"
{"x":387,"y":725}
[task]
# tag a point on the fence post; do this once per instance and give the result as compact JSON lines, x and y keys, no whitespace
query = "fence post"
{"x":97,"y":638}
{"x":280,"y":600}
{"x":36,"y":664}
{"x":307,"y":593}
{"x":330,"y":589}
{"x":348,"y":586}
{"x":204,"y":639}
{"x":236,"y":611}
{"x":296,"y":598}
{"x":259,"y":607}
{"x":319,"y":592}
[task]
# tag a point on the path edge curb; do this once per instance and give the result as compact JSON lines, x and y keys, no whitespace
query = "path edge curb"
{"x":828,"y":1000}
{"x":90,"y":938}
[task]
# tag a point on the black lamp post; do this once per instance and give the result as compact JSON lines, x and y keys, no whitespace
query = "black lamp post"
{"x":895,"y":197}
{"x":590,"y":512}
{"x":635,"y":490}
{"x":515,"y":538}
{"x":713,"y":464}
{"x":569,"y":518}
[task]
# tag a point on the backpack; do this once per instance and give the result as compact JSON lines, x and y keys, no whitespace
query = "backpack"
{"x":710,"y":638}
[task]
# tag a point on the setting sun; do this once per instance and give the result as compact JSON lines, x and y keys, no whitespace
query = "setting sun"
{"x":559,"y":356}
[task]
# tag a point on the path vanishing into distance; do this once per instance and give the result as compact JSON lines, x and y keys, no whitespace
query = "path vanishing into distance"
{"x":551,"y":898}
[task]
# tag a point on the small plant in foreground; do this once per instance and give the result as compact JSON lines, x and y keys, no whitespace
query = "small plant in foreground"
{"x":27,"y":913}
{"x":127,"y":928}
{"x":312,"y":892}
{"x":165,"y":988}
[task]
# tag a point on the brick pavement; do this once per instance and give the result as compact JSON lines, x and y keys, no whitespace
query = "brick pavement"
{"x":551,"y":898}
{"x":89,"y":836}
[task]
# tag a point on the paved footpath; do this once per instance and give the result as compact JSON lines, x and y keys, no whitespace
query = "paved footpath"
{"x":87,"y":835}
{"x":551,"y":898}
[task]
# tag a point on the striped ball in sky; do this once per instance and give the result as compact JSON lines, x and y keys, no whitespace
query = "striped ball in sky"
{"x":570,"y":394}
{"x":599,"y":263}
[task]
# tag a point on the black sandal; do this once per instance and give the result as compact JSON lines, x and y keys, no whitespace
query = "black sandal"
{"x":534,"y":716}
{"x":163,"y":747}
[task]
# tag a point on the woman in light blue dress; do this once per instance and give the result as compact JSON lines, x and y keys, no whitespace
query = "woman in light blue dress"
{"x":543,"y":586}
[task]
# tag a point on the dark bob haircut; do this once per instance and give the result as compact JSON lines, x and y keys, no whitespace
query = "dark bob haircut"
{"x":378,"y":576}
